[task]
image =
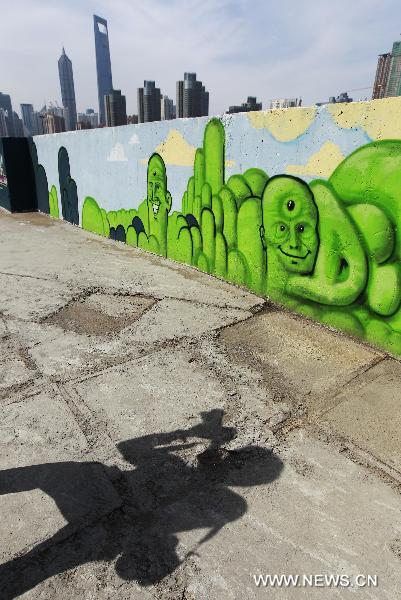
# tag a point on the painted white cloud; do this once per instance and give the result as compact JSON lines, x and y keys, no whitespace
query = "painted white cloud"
{"x":134,"y":139}
{"x":117,"y":154}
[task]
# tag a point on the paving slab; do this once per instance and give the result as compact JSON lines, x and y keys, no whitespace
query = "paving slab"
{"x":368,"y":413}
{"x":173,"y":318}
{"x":100,"y":314}
{"x":142,"y":461}
{"x":302,"y":357}
{"x":60,"y":353}
{"x":45,"y":485}
{"x":28,"y":298}
{"x":82,"y":259}
{"x":313,"y":519}
{"x":155,"y":393}
{"x":77,"y":341}
{"x":82,"y":566}
{"x":16,"y":366}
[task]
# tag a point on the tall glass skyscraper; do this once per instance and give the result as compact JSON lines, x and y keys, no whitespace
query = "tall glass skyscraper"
{"x":394,"y":78}
{"x":192,"y":98}
{"x":67,"y":90}
{"x":149,"y":107}
{"x":5,"y":104}
{"x":28,"y":118}
{"x":103,"y":64}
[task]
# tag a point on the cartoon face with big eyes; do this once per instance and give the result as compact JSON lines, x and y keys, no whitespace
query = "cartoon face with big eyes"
{"x":290,"y":223}
{"x":158,"y":197}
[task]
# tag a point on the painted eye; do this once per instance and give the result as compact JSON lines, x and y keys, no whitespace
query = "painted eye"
{"x":301,"y":228}
{"x":282,"y":227}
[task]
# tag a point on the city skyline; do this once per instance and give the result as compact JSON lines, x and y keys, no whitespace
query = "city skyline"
{"x":261,"y":65}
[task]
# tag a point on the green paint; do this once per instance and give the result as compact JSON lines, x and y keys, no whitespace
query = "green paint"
{"x":230,"y":213}
{"x":199,"y":171}
{"x":208,"y":236}
{"x":220,"y":266}
{"x":203,"y":263}
{"x":92,"y":217}
{"x":53,"y":203}
{"x":213,"y":148}
{"x":237,"y":270}
{"x":240,"y":188}
{"x":196,"y":237}
{"x":250,"y":244}
{"x":206,"y":196}
{"x":256,"y":180}
{"x":158,"y":202}
{"x":330,"y":250}
{"x":132,"y":237}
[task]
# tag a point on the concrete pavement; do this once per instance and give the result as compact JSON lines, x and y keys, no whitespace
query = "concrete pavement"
{"x":167,"y":435}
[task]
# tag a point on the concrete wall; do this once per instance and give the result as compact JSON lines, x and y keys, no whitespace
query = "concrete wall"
{"x":302,"y":205}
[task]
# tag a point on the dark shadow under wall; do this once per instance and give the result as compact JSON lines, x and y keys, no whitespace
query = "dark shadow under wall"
{"x":17,"y":180}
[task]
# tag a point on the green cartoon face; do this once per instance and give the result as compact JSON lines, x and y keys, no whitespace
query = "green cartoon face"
{"x":290,"y":223}
{"x":158,"y":197}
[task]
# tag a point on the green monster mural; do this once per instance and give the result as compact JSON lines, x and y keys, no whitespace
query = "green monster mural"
{"x":328,"y":249}
{"x":158,"y":202}
{"x":288,"y":231}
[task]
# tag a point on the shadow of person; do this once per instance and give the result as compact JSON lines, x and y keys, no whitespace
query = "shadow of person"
{"x":177,"y":485}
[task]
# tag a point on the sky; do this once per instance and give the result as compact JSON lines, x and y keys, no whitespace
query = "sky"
{"x":238,"y":48}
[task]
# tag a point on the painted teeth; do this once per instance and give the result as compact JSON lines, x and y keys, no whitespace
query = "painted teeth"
{"x":155,"y":208}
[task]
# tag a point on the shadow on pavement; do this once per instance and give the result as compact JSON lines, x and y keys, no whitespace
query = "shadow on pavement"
{"x":168,"y":492}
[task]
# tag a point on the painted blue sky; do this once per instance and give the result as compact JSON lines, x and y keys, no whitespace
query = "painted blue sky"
{"x":269,"y":49}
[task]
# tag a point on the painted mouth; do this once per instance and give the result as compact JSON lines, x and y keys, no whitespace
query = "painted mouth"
{"x":294,"y":255}
{"x":155,"y":208}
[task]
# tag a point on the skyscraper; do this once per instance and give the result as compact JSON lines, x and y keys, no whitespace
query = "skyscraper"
{"x":53,"y":123}
{"x":192,"y":98}
{"x":382,"y":73}
{"x":180,"y":99}
{"x":115,"y":109}
{"x":394,"y":78}
{"x":27,"y":113}
{"x":18,"y":125}
{"x":103,"y":64}
{"x":149,"y":108}
{"x":5,"y":104}
{"x":167,"y":108}
{"x":67,"y":90}
{"x":3,"y":124}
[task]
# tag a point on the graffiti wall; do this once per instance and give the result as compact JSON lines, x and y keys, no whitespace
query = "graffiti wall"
{"x":302,"y":205}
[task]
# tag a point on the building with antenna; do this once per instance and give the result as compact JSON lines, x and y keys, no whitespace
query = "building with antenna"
{"x":103,"y":64}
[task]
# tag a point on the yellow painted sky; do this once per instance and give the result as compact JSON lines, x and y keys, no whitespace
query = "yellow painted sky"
{"x":320,"y":164}
{"x":285,"y":124}
{"x":175,"y":150}
{"x":381,"y":119}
